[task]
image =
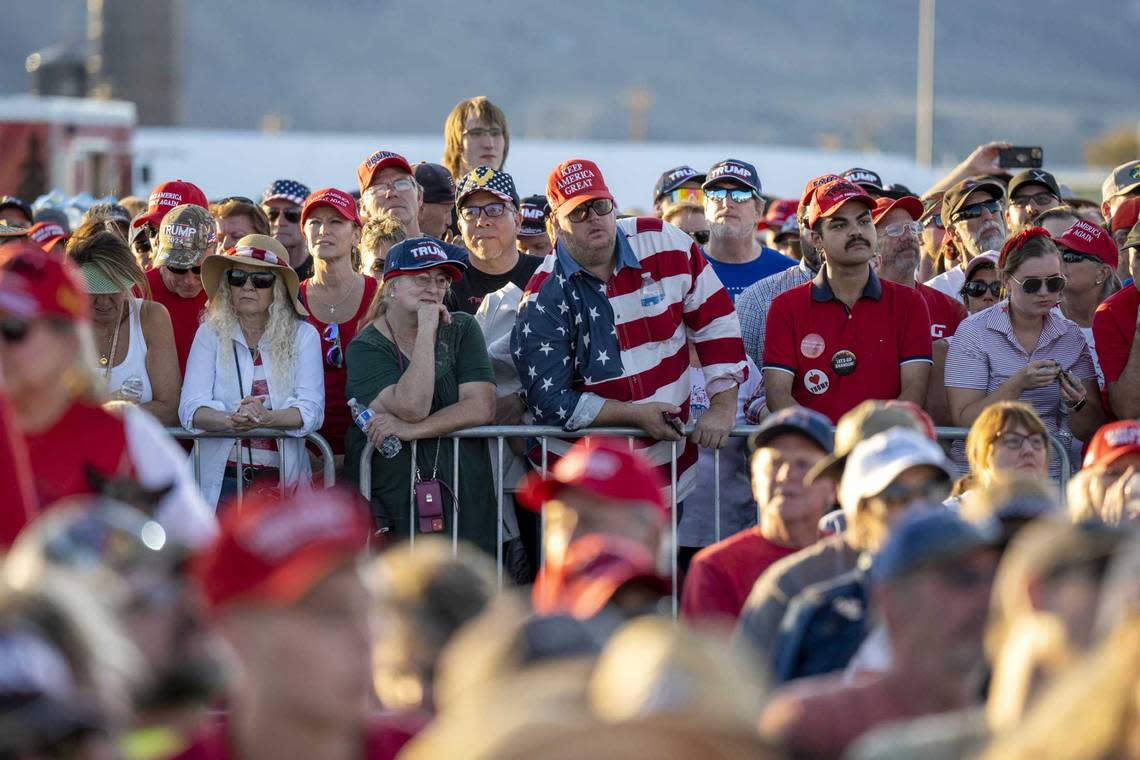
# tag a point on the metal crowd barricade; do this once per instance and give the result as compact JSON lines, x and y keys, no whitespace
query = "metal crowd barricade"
{"x":499,"y":433}
{"x":328,"y":467}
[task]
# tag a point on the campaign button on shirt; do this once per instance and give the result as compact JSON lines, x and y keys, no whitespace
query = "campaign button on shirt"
{"x":816,"y":382}
{"x":812,"y":345}
{"x":843,"y":362}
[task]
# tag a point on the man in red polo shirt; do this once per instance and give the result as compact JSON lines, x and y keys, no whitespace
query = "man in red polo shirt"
{"x":785,"y":448}
{"x":846,"y":336}
{"x":899,"y":233}
{"x":186,"y":235}
{"x":1116,"y":326}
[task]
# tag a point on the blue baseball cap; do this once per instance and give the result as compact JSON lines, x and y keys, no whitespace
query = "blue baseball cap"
{"x":926,"y":536}
{"x":799,"y":421}
{"x":420,"y":254}
{"x":673,"y":178}
{"x":733,"y":169}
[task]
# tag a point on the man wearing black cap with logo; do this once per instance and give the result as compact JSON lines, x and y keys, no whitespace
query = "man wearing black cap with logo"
{"x":488,"y":206}
{"x":15,"y":212}
{"x":680,"y":184}
{"x":973,"y":212}
{"x":534,"y":239}
{"x":1031,"y":192}
{"x":282,"y":202}
{"x":785,"y":448}
{"x":437,"y":214}
{"x":733,"y":207}
{"x":866,"y":179}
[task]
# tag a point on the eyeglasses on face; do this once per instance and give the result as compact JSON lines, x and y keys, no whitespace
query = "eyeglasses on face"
{"x":493,"y":210}
{"x":481,"y":132}
{"x":1031,"y":285}
{"x":601,"y":207}
{"x":1015,"y":441}
{"x":978,"y":288}
{"x":898,"y":495}
{"x":14,"y":330}
{"x":430,"y":280}
{"x":292,"y":215}
{"x":898,"y":229}
{"x":737,"y":194}
{"x":935,"y":220}
{"x":183,"y":270}
{"x":401,"y":185}
{"x":261,"y":280}
{"x":1043,"y":198}
{"x":974,"y":210}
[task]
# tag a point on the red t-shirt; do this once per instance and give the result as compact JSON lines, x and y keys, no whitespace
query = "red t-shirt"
{"x":185,"y":314}
{"x":86,"y":435}
{"x":840,"y":357}
{"x":945,"y":312}
{"x":337,"y":416}
{"x":722,"y":575}
{"x":1114,"y":326}
{"x":385,"y":738}
{"x":17,"y":482}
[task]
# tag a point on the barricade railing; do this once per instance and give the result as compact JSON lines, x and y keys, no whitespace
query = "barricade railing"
{"x":500,"y":433}
{"x":328,"y":464}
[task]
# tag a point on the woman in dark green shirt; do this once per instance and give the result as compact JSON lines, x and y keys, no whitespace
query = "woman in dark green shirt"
{"x":425,"y":373}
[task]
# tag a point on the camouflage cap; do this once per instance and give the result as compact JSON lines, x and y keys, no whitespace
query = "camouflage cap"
{"x":184,"y":235}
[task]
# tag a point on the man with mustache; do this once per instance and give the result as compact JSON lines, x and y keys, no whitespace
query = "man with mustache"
{"x":898,"y":230}
{"x":848,"y":335}
{"x":973,"y":212}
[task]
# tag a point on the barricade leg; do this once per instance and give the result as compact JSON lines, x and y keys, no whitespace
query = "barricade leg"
{"x":499,"y":515}
{"x":412,"y":502}
{"x":673,"y":516}
{"x":455,"y":498}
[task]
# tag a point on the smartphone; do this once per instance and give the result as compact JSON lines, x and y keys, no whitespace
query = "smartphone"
{"x":1021,"y":157}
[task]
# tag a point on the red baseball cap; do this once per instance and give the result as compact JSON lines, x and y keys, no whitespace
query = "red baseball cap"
{"x":47,"y":234}
{"x":605,"y":468}
{"x":907,"y":203}
{"x":275,"y":551}
{"x":36,"y":285}
{"x":344,"y":203}
{"x":1090,"y":239}
{"x":1111,"y":442}
{"x":166,"y":196}
{"x":574,"y":182}
{"x":829,"y":198}
{"x":1127,"y":215}
{"x":778,"y":212}
{"x":809,"y":191}
{"x":595,"y":567}
{"x":381,"y":159}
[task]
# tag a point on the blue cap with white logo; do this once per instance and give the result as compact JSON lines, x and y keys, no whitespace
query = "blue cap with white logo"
{"x":735,"y":170}
{"x":421,"y":254}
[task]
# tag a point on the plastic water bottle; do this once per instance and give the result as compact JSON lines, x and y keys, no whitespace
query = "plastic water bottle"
{"x":391,"y":445}
{"x":132,"y":389}
{"x":651,"y":290}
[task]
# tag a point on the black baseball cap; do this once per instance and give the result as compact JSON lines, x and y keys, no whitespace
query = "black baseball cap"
{"x":11,"y":201}
{"x":673,"y":178}
{"x":1034,"y":177}
{"x":799,"y":420}
{"x":736,"y":170}
{"x":534,"y":210}
{"x":436,"y":182}
{"x":955,"y":197}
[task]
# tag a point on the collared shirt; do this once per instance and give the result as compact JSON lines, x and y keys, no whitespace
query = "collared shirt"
{"x":753,"y":304}
{"x":578,"y":341}
{"x":839,"y":356}
{"x":949,"y":282}
{"x":1114,"y":327}
{"x":985,"y":353}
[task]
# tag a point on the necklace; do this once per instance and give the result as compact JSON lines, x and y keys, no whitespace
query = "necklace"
{"x":351,"y":292}
{"x":106,"y":359}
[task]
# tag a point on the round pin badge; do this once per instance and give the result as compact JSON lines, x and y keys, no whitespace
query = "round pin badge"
{"x":816,"y":382}
{"x":812,"y":345}
{"x":843,"y":362}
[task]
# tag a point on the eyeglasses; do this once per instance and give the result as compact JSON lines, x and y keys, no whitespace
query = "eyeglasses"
{"x":1031,"y":285}
{"x":334,"y":356}
{"x":14,"y":330}
{"x":974,"y":210}
{"x":292,"y":215}
{"x":898,"y":495}
{"x":480,"y":132}
{"x":1043,"y":198}
{"x":601,"y":207}
{"x":720,"y":193}
{"x":1070,"y":256}
{"x":688,"y":195}
{"x":898,"y":229}
{"x":401,"y":185}
{"x":493,"y":210}
{"x":261,"y":280}
{"x":425,"y":281}
{"x":978,"y":288}
{"x":1015,"y":441}
{"x":936,"y":221}
{"x":183,"y":270}
{"x":701,"y":236}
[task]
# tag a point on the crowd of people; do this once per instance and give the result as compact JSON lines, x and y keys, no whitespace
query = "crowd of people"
{"x":923,"y":545}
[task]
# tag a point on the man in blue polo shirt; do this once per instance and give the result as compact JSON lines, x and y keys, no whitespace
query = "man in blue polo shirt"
{"x":847,"y":336}
{"x":733,"y":207}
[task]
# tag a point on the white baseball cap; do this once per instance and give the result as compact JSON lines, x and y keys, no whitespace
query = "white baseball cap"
{"x":874,"y":464}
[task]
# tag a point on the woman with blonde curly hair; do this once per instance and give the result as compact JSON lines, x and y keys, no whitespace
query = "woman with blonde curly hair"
{"x":475,"y":134}
{"x":255,"y":364}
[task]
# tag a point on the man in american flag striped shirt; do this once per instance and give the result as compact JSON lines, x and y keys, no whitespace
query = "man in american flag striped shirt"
{"x":603,"y":332}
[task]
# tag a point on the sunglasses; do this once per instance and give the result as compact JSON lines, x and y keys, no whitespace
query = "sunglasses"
{"x":183,"y":270}
{"x":1073,"y":257}
{"x":936,"y":221}
{"x":14,"y":330}
{"x":688,"y":195}
{"x":292,"y":215}
{"x":261,"y":280}
{"x":492,"y":210}
{"x":701,"y":236}
{"x":141,"y":243}
{"x":978,"y":288}
{"x":601,"y":207}
{"x":334,"y":357}
{"x":897,"y":229}
{"x":736,"y":194}
{"x":974,"y":210}
{"x":1031,"y":285}
{"x":1042,"y":198}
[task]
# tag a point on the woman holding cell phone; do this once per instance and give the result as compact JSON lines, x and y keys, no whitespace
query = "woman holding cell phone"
{"x":1023,"y":349}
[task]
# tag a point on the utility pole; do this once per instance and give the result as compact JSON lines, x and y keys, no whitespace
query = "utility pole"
{"x":924,"y":102}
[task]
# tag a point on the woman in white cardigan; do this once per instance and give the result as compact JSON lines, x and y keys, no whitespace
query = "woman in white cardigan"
{"x":255,"y":365}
